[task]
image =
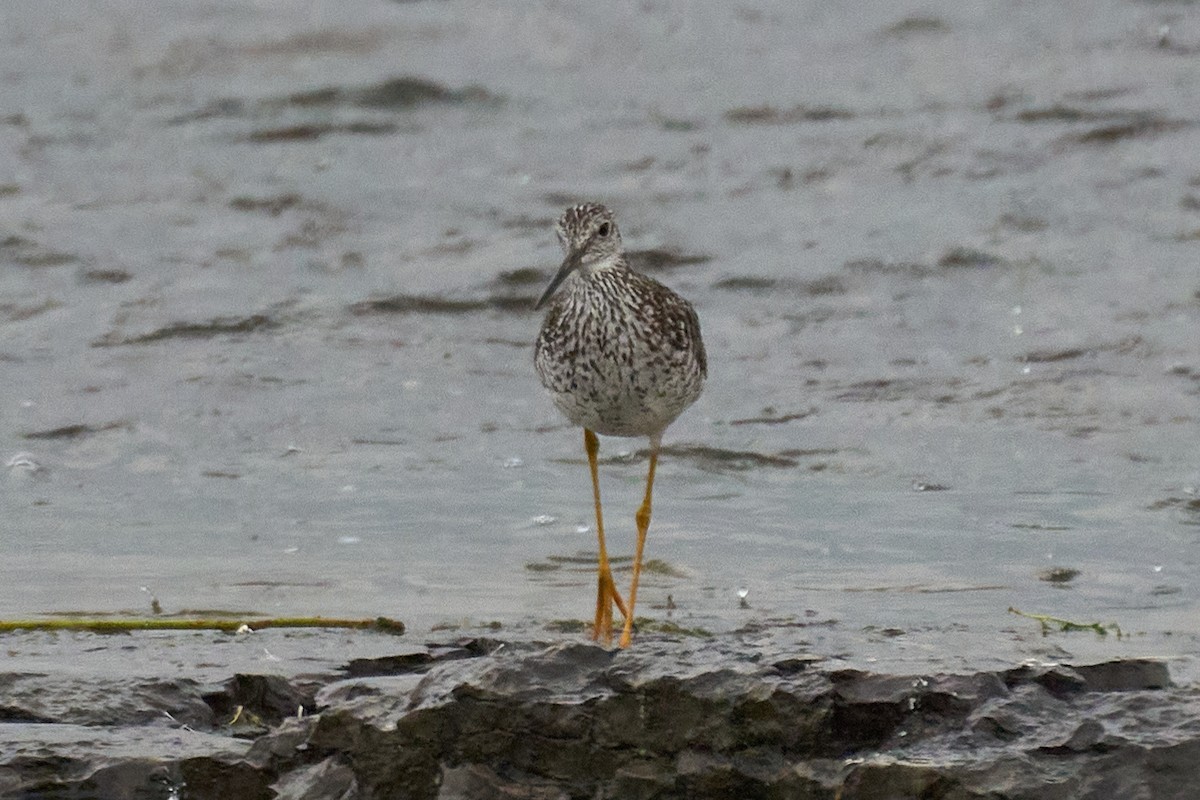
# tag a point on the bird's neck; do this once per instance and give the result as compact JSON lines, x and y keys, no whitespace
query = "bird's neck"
{"x":607,"y":263}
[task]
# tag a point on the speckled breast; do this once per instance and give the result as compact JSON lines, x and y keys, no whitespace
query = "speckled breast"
{"x":621,"y":354}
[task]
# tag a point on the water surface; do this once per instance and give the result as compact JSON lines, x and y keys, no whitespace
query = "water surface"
{"x":266,"y":278}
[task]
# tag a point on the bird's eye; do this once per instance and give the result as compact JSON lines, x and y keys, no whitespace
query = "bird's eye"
{"x":603,"y":230}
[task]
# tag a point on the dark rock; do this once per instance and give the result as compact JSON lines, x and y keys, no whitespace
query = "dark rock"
{"x":1088,"y":736}
{"x":80,"y":701}
{"x":1057,"y":679}
{"x":380,"y":701}
{"x":794,"y":664}
{"x":415,"y":661}
{"x":1125,"y":676}
{"x":285,"y":747}
{"x":208,"y":777}
{"x":684,"y":718}
{"x":268,"y":697}
{"x":53,"y":761}
{"x":328,"y":779}
{"x":475,"y":782}
{"x":1027,"y":711}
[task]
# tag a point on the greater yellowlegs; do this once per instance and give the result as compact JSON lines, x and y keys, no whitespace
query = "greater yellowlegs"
{"x":622,"y":356}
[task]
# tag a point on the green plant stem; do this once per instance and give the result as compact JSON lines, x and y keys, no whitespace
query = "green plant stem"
{"x":1066,"y":626}
{"x":381,"y":624}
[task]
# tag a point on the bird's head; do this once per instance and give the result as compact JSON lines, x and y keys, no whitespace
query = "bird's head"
{"x":589,"y":235}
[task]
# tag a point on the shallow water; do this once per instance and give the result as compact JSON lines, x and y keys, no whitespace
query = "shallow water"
{"x":266,"y":277}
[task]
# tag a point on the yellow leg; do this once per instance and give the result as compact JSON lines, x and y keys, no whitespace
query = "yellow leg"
{"x":643,"y":524}
{"x":606,"y":590}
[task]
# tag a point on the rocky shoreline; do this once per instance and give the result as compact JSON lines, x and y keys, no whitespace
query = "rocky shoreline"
{"x":723,"y":717}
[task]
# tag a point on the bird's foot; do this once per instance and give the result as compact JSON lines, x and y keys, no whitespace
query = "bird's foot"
{"x":606,"y":597}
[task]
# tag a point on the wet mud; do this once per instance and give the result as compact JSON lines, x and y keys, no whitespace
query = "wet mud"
{"x":747,"y":715}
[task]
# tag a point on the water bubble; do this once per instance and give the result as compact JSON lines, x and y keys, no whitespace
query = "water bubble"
{"x":349,"y":488}
{"x":155,"y":606}
{"x":513,"y":462}
{"x":1026,"y":370}
{"x":23,"y":462}
{"x":543,"y":519}
{"x":583,"y":528}
{"x":1158,"y":568}
{"x":349,"y":539}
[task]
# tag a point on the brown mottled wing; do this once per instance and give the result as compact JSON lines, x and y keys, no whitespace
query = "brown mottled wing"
{"x":684,"y":332}
{"x":691,"y":331}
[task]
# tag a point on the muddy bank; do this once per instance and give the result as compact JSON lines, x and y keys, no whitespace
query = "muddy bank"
{"x":738,"y":715}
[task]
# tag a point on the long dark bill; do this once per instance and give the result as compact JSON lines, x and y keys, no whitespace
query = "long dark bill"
{"x":569,"y":265}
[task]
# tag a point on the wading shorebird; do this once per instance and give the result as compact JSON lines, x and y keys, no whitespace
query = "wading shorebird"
{"x":621,"y":355}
